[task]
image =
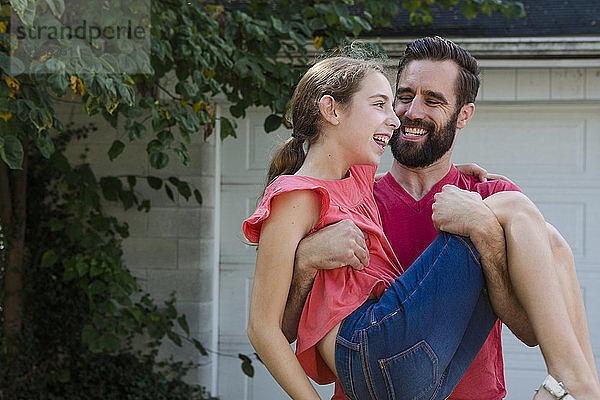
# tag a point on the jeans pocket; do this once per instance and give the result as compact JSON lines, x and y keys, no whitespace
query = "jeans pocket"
{"x":410,"y":374}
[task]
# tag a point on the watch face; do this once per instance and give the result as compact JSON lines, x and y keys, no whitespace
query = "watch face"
{"x":556,"y":389}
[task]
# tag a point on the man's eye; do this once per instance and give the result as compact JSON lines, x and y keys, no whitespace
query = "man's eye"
{"x":433,"y":102}
{"x":405,"y":99}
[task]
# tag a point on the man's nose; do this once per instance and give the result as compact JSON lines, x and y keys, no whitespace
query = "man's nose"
{"x":415,"y":109}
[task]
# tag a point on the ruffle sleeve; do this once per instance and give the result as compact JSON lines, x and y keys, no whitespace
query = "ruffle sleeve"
{"x":283,"y":184}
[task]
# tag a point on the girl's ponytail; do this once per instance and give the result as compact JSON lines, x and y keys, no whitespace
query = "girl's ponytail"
{"x":288,"y":158}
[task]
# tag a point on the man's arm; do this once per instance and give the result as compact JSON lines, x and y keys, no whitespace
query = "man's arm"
{"x":338,"y":245}
{"x":464,"y":213}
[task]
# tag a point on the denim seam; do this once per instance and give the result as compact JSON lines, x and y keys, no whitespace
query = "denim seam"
{"x":366,"y":368}
{"x":439,"y":386}
{"x":350,"y":378}
{"x":424,"y":346}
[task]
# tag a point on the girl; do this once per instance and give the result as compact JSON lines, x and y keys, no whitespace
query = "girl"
{"x":380,"y":335}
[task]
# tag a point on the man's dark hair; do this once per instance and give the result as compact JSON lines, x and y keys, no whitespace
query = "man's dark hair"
{"x":440,"y":49}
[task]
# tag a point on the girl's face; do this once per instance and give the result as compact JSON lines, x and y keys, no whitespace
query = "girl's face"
{"x":368,"y":121}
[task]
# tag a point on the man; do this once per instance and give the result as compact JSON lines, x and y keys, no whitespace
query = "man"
{"x":436,"y":86}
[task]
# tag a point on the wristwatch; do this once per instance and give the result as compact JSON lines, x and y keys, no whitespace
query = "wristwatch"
{"x":556,"y":389}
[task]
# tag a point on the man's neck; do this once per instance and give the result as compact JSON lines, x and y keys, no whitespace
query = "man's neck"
{"x":417,"y":182}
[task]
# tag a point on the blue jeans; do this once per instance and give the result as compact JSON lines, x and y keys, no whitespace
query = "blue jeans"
{"x":420,"y":338}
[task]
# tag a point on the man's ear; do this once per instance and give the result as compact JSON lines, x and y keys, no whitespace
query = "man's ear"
{"x":465,"y":115}
{"x":328,"y":106}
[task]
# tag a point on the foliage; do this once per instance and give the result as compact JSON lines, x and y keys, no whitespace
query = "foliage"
{"x":62,"y":271}
{"x":420,"y":10}
{"x":76,"y":282}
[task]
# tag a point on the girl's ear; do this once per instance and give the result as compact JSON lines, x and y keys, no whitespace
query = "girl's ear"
{"x":327,"y":106}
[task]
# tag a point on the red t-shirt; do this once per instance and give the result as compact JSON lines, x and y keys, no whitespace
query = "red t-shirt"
{"x":407,"y":224}
{"x":337,"y":292}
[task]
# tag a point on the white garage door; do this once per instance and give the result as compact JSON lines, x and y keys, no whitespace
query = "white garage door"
{"x":551,"y":150}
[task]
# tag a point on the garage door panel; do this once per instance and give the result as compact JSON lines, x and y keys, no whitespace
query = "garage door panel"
{"x":238,"y":202}
{"x":589,"y":283}
{"x":534,"y":143}
{"x":236,"y":286}
{"x":245,"y":158}
{"x":575,"y":213}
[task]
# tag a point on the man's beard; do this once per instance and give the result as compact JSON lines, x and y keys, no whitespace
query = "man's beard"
{"x":422,"y":154}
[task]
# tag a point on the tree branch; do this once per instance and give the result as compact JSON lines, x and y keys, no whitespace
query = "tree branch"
{"x":167,"y":92}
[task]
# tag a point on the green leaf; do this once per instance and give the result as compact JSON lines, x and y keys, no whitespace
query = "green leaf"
{"x":82,"y":268}
{"x":128,"y":199}
{"x":199,"y":347}
{"x":272,"y":123}
{"x":184,"y":189}
{"x":25,"y":9}
{"x":96,"y":269}
{"x":175,"y":338}
{"x":111,"y":187}
{"x":131,"y":180}
{"x":159,"y":160}
{"x":470,"y":9}
{"x":135,"y":129}
{"x":58,"y":83}
{"x":96,"y":287}
{"x":11,"y":151}
{"x":154,"y":182}
{"x":63,"y":376}
{"x":183,"y":324}
{"x":116,"y":149}
{"x":89,"y":334}
{"x":110,"y":341}
{"x":183,"y":155}
{"x":247,"y":368}
{"x":49,"y":258}
{"x":44,"y":143}
{"x":57,"y":7}
{"x":227,"y":128}
{"x":169,"y":193}
{"x":198,"y":196}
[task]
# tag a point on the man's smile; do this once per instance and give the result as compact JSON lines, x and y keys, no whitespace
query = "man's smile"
{"x":413,"y":132}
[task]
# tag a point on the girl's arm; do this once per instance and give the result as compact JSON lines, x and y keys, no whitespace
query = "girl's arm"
{"x":293,"y":215}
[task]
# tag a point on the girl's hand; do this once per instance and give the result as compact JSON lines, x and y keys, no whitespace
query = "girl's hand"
{"x":481,"y":173}
{"x":473,"y":169}
{"x":460,"y":211}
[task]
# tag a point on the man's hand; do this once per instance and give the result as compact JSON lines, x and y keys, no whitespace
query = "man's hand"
{"x":337,"y":245}
{"x":334,"y":246}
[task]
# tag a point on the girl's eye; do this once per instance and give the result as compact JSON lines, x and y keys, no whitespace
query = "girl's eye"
{"x":380,"y":104}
